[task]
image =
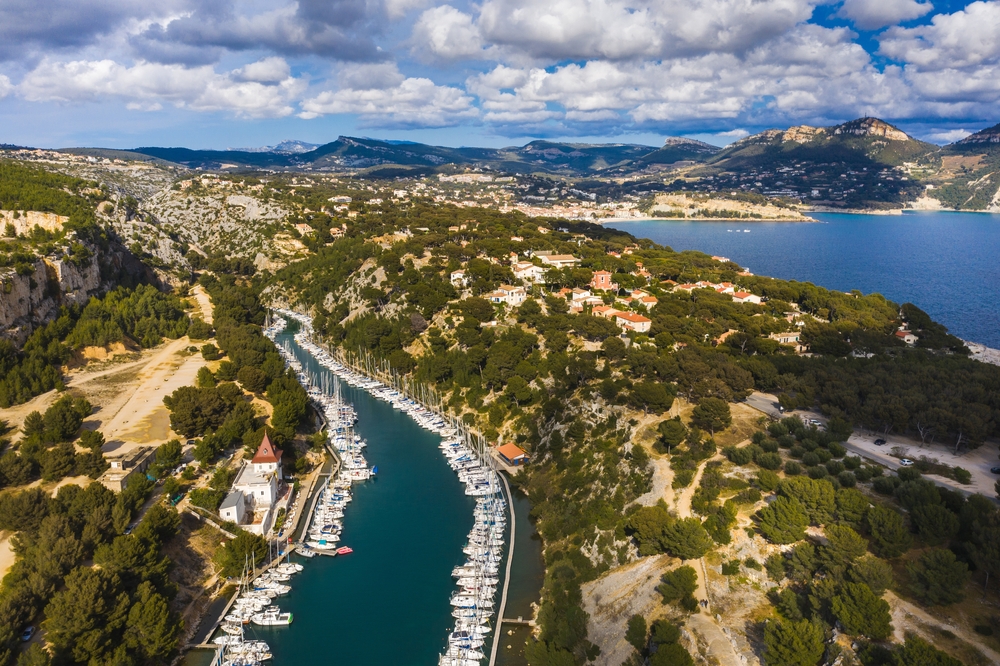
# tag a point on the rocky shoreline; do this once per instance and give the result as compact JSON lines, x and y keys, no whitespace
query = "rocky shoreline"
{"x":983,"y":353}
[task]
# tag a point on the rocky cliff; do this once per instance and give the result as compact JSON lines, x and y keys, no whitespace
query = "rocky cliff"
{"x":33,"y":299}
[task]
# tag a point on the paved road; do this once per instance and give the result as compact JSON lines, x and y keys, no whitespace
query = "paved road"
{"x":977,"y":461}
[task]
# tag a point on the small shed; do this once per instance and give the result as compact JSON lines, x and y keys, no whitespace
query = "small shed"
{"x":512,"y":454}
{"x":233,"y":507}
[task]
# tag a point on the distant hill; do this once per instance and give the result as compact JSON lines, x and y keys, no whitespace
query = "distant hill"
{"x":983,"y":138}
{"x":862,"y":163}
{"x":967,"y":179}
{"x":678,"y":149}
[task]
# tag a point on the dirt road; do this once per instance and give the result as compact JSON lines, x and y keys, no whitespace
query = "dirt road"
{"x":903,"y":612}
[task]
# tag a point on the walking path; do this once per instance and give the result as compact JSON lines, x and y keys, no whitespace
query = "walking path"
{"x":506,"y":582}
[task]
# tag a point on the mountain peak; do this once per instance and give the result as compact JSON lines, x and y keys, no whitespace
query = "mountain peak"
{"x":988,"y":135}
{"x":872,"y":127}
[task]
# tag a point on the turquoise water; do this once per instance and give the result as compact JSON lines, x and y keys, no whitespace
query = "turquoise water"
{"x":388,"y":602}
{"x":946,"y":263}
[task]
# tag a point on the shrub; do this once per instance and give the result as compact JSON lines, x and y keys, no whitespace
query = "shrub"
{"x":793,"y":643}
{"x":783,"y":521}
{"x":862,"y":613}
{"x":792,"y":468}
{"x":890,"y":538}
{"x":846,"y":479}
{"x":938,"y":578}
{"x":678,"y":585}
{"x":738,"y":456}
{"x":769,"y":461}
{"x":767,"y":480}
{"x":961,"y":475}
{"x":730,"y":568}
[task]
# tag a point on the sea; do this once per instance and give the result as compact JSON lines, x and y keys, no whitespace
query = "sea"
{"x":388,"y":602}
{"x":946,"y":263}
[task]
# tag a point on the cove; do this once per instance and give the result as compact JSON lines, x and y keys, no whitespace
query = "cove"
{"x":943,"y":262}
{"x":388,"y":602}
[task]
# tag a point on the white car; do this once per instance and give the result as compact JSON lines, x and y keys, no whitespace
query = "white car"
{"x":905,"y":462}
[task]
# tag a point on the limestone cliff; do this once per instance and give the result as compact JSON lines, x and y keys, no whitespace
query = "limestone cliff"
{"x":33,"y":299}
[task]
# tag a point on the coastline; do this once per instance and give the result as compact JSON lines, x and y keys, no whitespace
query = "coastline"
{"x":753,"y":220}
{"x":982,"y":353}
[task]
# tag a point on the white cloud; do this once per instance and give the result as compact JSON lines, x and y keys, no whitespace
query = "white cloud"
{"x":812,"y":72}
{"x":949,"y":136}
{"x":621,"y":29}
{"x":875,"y":14}
{"x":144,"y":85}
{"x":966,"y":38}
{"x":388,"y":99}
{"x":444,"y":33}
{"x":268,"y":70}
{"x":5,"y":86}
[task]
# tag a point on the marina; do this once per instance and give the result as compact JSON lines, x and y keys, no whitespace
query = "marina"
{"x":389,"y":519}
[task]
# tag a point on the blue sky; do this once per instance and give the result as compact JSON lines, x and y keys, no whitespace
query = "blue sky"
{"x":232,"y":73}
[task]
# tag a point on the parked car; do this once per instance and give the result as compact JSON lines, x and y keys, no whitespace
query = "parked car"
{"x":28,"y":632}
{"x":815,"y":422}
{"x":880,"y":442}
{"x":905,"y":462}
{"x":995,"y":470}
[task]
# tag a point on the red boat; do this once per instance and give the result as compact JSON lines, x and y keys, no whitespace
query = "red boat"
{"x":344,"y":550}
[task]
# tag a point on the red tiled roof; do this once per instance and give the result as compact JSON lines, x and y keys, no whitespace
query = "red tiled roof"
{"x":632,"y":317}
{"x":266,"y":453}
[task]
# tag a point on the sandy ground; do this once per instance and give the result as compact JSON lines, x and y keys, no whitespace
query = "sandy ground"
{"x":977,"y":461}
{"x":904,"y":613}
{"x":6,"y":553}
{"x":129,"y":394}
{"x":137,"y":414}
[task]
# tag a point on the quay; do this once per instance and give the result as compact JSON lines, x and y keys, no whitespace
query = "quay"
{"x":506,"y":582}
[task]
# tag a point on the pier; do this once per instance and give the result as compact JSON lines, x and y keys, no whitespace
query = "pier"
{"x":506,"y":581}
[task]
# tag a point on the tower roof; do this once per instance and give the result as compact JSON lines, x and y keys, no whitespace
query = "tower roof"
{"x":266,"y":453}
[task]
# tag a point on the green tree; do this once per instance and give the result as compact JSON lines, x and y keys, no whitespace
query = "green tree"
{"x":651,"y":397}
{"x":851,"y":505}
{"x":58,"y":462}
{"x":199,"y":329}
{"x":671,"y":654}
{"x":672,"y":433}
{"x":85,"y":619}
{"x":816,"y":496}
{"x":64,"y":418}
{"x":636,"y":632}
{"x":679,"y":586}
{"x":245,"y":548}
{"x":783,"y":521}
{"x":712,"y":414}
{"x":687,"y":539}
{"x":205,"y":378}
{"x":861,"y":613}
{"x":844,"y":545}
{"x":938,"y":578}
{"x":873,"y":572}
{"x":792,"y":643}
{"x":890,"y":538}
{"x":918,"y":652}
{"x":935,"y":524}
{"x":252,"y":379}
{"x":35,"y":655}
{"x":153,"y":629}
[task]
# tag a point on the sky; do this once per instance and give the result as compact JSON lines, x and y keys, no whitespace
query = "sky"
{"x":244,"y":73}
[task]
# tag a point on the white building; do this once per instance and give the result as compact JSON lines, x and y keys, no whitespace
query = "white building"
{"x":557,"y":260}
{"x":528,"y":272}
{"x":746,"y":297}
{"x":509,"y":295}
{"x":255,"y":490}
{"x":459,"y":279}
{"x":633,"y":322}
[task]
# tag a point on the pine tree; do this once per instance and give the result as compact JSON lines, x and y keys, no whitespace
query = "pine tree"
{"x":861,"y":613}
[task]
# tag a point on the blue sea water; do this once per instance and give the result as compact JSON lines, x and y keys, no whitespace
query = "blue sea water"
{"x":946,"y":263}
{"x":387,"y":604}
